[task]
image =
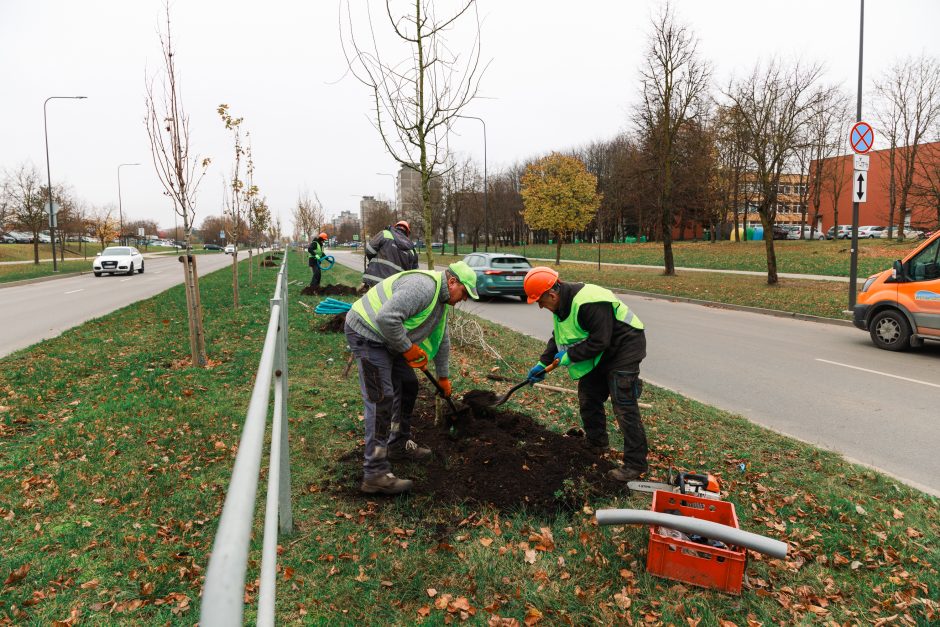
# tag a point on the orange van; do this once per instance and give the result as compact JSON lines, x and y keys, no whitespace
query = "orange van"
{"x":900,"y":307}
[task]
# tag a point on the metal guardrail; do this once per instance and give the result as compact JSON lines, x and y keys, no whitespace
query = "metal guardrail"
{"x":223,"y":595}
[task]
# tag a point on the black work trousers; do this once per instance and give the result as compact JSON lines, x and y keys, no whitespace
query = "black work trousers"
{"x":617,"y":377}
{"x":317,"y":273}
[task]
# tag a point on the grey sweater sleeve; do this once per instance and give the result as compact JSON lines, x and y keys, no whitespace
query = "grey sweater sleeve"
{"x":411,"y":295}
{"x":442,"y":359}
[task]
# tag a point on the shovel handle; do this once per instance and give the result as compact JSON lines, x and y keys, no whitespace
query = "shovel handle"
{"x":440,"y":390}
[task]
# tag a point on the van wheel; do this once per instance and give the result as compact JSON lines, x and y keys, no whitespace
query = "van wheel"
{"x":890,"y":331}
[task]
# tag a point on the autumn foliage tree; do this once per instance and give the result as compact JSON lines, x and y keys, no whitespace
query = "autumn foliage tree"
{"x":559,"y":195}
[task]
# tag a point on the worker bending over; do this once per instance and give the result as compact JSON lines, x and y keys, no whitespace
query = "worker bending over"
{"x":390,"y":252}
{"x":398,"y":325}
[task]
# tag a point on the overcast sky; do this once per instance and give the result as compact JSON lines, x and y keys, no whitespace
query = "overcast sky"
{"x":561,"y":74}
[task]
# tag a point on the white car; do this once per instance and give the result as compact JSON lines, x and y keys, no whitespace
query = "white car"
{"x":909,"y":233}
{"x":114,"y":259}
{"x":871,"y":231}
{"x":230,"y":249}
{"x":808,"y":232}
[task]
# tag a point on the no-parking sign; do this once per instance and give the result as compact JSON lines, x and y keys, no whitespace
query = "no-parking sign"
{"x":862,"y":137}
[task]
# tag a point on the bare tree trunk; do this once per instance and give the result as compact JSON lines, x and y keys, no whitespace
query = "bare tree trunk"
{"x":200,"y":334}
{"x":558,"y":250}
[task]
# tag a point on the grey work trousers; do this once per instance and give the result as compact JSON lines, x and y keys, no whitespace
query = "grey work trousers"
{"x":389,"y":390}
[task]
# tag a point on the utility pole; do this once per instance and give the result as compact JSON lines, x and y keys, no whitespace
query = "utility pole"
{"x":853,"y":266}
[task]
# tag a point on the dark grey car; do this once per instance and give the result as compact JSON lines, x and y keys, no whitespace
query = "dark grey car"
{"x":499,"y":274}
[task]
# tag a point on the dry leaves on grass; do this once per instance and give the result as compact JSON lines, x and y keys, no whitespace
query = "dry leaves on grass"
{"x":17,"y":575}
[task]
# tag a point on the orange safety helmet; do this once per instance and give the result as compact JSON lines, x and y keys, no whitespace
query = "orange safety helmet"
{"x":323,"y":236}
{"x":404,"y":224}
{"x":537,"y":281}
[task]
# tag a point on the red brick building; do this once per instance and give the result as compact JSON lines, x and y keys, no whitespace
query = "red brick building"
{"x":836,"y":191}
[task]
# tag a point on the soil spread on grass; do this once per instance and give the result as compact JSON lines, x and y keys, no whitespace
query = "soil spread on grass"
{"x":334,"y":324}
{"x":494,"y":456}
{"x":330,"y":290}
{"x":268,"y":263}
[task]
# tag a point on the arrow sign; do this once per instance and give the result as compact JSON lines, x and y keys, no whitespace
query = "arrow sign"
{"x":860,"y":180}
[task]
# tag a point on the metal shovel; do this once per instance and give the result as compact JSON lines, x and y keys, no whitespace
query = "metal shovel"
{"x":524,"y":382}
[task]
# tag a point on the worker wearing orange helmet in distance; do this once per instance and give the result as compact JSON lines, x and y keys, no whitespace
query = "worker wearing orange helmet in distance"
{"x":602,"y":343}
{"x":390,"y":252}
{"x":315,"y":250}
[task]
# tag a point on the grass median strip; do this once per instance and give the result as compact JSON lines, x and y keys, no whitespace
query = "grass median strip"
{"x":827,"y":299}
{"x":831,"y":258}
{"x":114,"y":457}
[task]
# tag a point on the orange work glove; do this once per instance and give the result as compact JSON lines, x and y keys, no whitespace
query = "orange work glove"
{"x":416,"y":357}
{"x":444,"y":382}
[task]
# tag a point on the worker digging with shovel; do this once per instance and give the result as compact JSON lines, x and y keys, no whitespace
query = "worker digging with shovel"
{"x":602,"y":343}
{"x":397,"y":326}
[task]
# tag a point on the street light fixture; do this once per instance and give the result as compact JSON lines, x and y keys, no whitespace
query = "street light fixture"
{"x":486,"y":215}
{"x":120,"y":208}
{"x":45,"y":128}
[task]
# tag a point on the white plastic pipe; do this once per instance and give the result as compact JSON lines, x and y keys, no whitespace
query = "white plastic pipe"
{"x":687,"y":524}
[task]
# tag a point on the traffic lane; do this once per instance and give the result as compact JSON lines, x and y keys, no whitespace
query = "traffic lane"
{"x":37,"y":311}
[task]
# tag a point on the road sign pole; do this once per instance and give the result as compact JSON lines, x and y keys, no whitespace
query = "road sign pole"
{"x":853,"y":267}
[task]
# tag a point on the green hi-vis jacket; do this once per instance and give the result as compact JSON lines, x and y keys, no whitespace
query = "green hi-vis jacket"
{"x":369,"y":306}
{"x":568,"y":332}
{"x":315,"y":250}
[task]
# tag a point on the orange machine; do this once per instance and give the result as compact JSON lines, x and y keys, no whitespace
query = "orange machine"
{"x":900,"y":307}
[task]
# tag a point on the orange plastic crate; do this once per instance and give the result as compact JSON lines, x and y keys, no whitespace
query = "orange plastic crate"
{"x":691,"y":562}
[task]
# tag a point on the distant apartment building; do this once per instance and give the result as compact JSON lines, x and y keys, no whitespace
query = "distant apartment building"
{"x":409,"y":202}
{"x":922,"y":208}
{"x":792,"y":193}
{"x":374,"y":215}
{"x":347,"y":219}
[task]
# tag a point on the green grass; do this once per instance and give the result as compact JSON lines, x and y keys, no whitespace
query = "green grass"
{"x":799,"y":257}
{"x":828,"y":299}
{"x":23,"y":271}
{"x":24,"y":252}
{"x":110,"y":489}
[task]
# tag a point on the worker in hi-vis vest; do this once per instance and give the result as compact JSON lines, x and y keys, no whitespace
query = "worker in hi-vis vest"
{"x":315,"y":252}
{"x":602,"y":344}
{"x":398,"y":325}
{"x":390,"y":252}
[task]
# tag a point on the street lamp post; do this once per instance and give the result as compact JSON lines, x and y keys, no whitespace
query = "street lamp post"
{"x":120,"y":208}
{"x":45,"y":128}
{"x":486,"y":215}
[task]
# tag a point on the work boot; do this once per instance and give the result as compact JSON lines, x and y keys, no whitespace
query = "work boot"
{"x":408,"y":451}
{"x":623,"y":475}
{"x":385,"y":484}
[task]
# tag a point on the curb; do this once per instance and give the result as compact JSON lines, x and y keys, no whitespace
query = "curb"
{"x":42,"y":279}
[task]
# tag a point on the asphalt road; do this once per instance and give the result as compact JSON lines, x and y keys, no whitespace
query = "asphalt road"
{"x":38,"y":311}
{"x":824,"y":384}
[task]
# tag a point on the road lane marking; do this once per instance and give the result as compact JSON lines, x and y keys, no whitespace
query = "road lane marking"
{"x":73,"y":291}
{"x":884,"y":374}
{"x":122,"y":280}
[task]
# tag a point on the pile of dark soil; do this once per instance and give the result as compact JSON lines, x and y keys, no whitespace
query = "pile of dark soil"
{"x":330,"y":290}
{"x":333,"y":324}
{"x":267,"y":262}
{"x":498,"y":457}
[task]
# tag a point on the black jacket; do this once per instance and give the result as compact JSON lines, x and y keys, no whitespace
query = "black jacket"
{"x":389,"y":252}
{"x":620,"y":343}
